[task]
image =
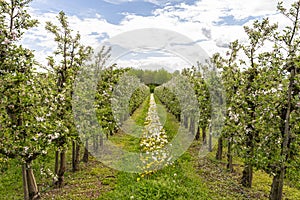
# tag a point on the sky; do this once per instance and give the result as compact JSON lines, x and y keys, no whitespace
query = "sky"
{"x":210,"y":24}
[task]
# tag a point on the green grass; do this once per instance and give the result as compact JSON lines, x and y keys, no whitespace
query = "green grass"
{"x":128,"y":136}
{"x":178,"y":181}
{"x":11,"y":181}
{"x":93,"y":179}
{"x":219,"y":180}
{"x":190,"y":177}
{"x":172,"y":182}
{"x":168,"y":120}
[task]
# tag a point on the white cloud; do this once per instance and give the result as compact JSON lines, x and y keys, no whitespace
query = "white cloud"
{"x":119,"y":1}
{"x":170,"y":63}
{"x":189,"y":20}
{"x":156,"y":2}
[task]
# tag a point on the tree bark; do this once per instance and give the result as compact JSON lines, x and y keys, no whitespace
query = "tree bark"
{"x":86,"y":152}
{"x":62,"y":169}
{"x":185,"y":121}
{"x":220,"y":149}
{"x":210,"y":139}
{"x":56,"y":162}
{"x":96,"y":142}
{"x":277,"y":185}
{"x":178,"y":117}
{"x":32,"y":186}
{"x":247,"y":175}
{"x":29,"y":183}
{"x":204,"y":140}
{"x":248,"y":169}
{"x":192,"y":126}
{"x":25,"y":184}
{"x":197,"y":137}
{"x":75,"y":155}
{"x":229,"y":156}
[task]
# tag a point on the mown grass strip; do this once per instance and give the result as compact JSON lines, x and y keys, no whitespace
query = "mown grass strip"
{"x":128,"y":141}
{"x":178,"y":181}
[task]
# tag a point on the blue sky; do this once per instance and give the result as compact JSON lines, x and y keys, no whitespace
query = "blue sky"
{"x":212,"y":24}
{"x":112,"y":12}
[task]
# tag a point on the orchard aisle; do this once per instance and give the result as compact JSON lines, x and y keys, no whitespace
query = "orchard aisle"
{"x":153,"y":142}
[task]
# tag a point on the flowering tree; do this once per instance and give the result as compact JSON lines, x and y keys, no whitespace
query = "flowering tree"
{"x":25,"y":108}
{"x":231,"y":75}
{"x":71,"y":55}
{"x":263,"y":116}
{"x":257,"y":37}
{"x":286,"y":50}
{"x":201,"y":91}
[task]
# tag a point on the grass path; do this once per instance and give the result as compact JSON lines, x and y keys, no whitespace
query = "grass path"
{"x":178,"y":181}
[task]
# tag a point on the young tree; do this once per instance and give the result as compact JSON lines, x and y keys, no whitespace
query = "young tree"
{"x":231,"y":75}
{"x":201,"y":91}
{"x":288,"y":42}
{"x":257,"y":35}
{"x":86,"y":71}
{"x":277,"y":113}
{"x":218,"y":62}
{"x":71,"y":55}
{"x":24,"y":110}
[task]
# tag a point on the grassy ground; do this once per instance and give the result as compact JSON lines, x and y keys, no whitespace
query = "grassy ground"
{"x":189,"y":177}
{"x":130,"y":142}
{"x":179,"y":181}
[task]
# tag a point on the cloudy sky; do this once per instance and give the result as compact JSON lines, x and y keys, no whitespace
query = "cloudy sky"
{"x":211,"y":24}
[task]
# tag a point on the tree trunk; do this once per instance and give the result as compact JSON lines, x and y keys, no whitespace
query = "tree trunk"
{"x":277,"y":186}
{"x":178,"y":117}
{"x":247,"y":175}
{"x":62,"y":169}
{"x":192,"y":126}
{"x":56,"y":162}
{"x":278,"y":179}
{"x":229,"y":156}
{"x":248,"y":169}
{"x":185,"y":121}
{"x":197,"y":137}
{"x":75,"y":155}
{"x":32,"y":186}
{"x":86,"y":152}
{"x":220,"y":149}
{"x":25,"y":184}
{"x":96,"y":142}
{"x":210,"y":139}
{"x":29,"y":184}
{"x":204,"y":140}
